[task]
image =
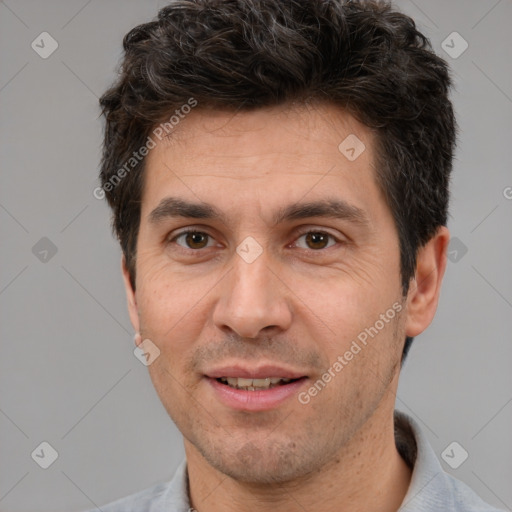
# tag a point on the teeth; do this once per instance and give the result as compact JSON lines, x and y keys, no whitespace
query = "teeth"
{"x":254,"y":384}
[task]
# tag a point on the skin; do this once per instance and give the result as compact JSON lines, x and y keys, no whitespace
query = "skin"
{"x":297,"y":304}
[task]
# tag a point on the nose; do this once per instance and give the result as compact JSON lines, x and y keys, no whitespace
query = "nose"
{"x":252,"y":299}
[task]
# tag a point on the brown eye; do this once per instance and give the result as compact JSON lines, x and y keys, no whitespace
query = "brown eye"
{"x":316,"y":240}
{"x":196,"y":240}
{"x":193,"y":239}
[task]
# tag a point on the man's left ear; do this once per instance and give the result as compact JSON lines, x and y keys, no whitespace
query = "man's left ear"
{"x":424,"y":289}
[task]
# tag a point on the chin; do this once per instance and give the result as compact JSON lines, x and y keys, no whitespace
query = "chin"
{"x":273,"y":463}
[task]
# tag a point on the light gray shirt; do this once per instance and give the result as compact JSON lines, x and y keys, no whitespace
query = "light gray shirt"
{"x":431,"y":488}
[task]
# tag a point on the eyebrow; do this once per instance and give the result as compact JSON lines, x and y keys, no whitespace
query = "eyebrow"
{"x":329,"y":208}
{"x":172,"y":207}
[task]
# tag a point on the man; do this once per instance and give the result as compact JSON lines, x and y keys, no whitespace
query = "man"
{"x":278,"y":174}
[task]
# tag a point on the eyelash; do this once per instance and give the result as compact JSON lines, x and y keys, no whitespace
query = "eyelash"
{"x":305,"y":233}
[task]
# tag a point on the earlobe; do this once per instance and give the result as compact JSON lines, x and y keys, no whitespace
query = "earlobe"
{"x":425,"y":288}
{"x":131,"y":298}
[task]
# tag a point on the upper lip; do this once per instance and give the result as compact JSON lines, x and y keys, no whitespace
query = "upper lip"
{"x":246,"y":372}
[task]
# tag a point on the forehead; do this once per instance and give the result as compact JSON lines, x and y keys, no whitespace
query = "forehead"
{"x":251,"y":158}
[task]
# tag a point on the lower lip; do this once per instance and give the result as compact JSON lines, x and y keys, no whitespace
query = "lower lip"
{"x":263,"y":400}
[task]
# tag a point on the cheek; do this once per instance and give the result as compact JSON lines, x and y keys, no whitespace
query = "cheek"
{"x":342,"y":299}
{"x":161,"y":300}
{"x":173,"y":307}
{"x":344,"y":317}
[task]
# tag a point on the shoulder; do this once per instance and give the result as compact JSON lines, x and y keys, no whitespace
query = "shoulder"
{"x":465,"y":499}
{"x":171,"y":495}
{"x":431,"y":488}
{"x":142,"y":501}
{"x":447,"y":493}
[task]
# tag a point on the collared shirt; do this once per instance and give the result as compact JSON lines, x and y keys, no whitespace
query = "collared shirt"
{"x":431,"y":489}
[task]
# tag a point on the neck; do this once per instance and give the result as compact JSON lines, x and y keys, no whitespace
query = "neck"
{"x":368,"y":475}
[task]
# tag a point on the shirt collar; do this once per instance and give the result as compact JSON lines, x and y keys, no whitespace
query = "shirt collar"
{"x":429,"y":489}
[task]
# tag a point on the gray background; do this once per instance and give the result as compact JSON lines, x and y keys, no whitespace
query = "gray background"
{"x":68,"y":374}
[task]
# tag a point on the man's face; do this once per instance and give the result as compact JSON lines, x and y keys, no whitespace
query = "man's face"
{"x":251,"y":294}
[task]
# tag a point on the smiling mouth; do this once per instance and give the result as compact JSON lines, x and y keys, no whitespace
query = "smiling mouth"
{"x":255,"y":384}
